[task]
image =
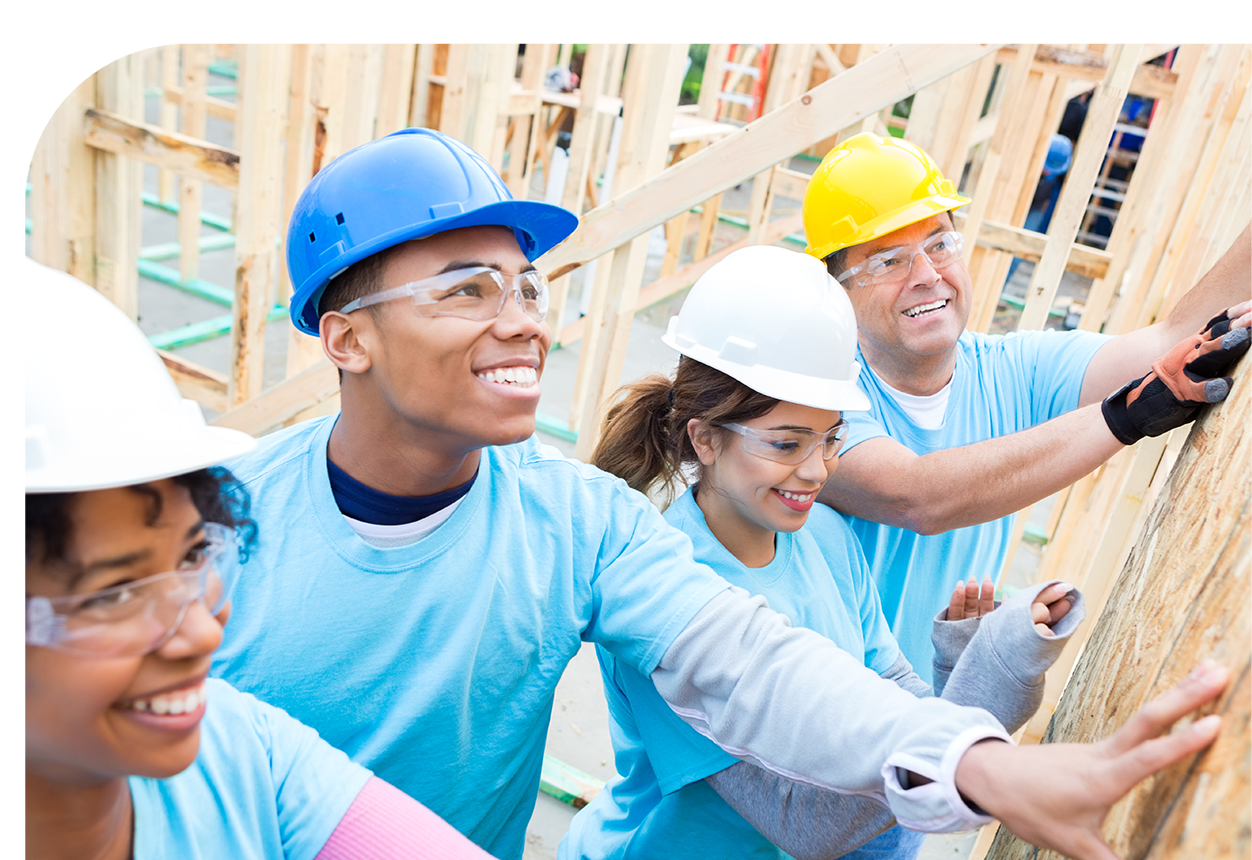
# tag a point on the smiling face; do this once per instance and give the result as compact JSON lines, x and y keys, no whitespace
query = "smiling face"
{"x":908,"y":331}
{"x":457,"y":384}
{"x":93,"y":719}
{"x":747,"y":498}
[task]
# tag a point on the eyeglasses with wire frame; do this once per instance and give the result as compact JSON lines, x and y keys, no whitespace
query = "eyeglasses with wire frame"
{"x":893,"y":265}
{"x":136,"y":617}
{"x":474,"y":293}
{"x":791,"y":447}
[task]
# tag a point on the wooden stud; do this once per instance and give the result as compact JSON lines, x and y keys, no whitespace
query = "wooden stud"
{"x":1105,"y":106}
{"x":419,"y":104}
{"x":169,"y":114}
{"x":650,"y":97}
{"x":119,"y":186}
{"x":191,"y":191}
{"x":396,"y":88}
{"x":264,"y":73}
{"x":63,"y":190}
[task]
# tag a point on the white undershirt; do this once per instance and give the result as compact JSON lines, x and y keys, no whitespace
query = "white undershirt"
{"x":925,"y":411}
{"x":404,"y":534}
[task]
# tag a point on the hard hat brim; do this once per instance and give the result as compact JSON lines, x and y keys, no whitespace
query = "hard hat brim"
{"x":837,"y":395}
{"x":539,"y":227}
{"x":161,"y":457}
{"x":901,"y":218}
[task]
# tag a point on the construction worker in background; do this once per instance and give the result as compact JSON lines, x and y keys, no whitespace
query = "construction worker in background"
{"x":966,"y":428}
{"x":428,"y":568}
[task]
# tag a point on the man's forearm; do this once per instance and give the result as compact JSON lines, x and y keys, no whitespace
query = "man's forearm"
{"x":977,"y":483}
{"x":1130,"y":355}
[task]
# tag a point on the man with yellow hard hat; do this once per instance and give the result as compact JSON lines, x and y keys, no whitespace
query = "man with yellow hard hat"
{"x":966,"y":428}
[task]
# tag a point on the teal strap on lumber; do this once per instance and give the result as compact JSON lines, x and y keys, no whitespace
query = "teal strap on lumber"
{"x":568,"y":784}
{"x":555,"y":427}
{"x":204,"y":330}
{"x":169,"y":250}
{"x":224,"y":68}
{"x":206,"y":218}
{"x":170,"y":277}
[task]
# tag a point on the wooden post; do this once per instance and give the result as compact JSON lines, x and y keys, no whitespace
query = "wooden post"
{"x":396,"y":88}
{"x":191,"y":191}
{"x":419,"y":104}
{"x":169,"y":114}
{"x":264,"y":72}
{"x":63,"y":190}
{"x":654,"y":80}
{"x":1102,"y":114}
{"x":119,"y":187}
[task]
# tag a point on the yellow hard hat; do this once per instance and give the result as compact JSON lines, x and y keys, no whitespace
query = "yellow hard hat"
{"x":869,"y":186}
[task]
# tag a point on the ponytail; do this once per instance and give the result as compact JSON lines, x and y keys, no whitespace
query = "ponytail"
{"x":644,"y":436}
{"x":635,"y":439}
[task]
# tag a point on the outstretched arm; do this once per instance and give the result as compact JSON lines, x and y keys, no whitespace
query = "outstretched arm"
{"x":883,"y":481}
{"x":1227,"y":285}
{"x":1057,"y":795}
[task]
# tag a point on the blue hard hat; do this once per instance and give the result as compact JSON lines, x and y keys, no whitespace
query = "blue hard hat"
{"x":413,"y":183}
{"x":1060,"y":151}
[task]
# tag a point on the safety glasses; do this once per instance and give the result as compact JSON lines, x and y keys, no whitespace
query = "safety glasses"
{"x":476,"y":293}
{"x":135,"y":617}
{"x":791,"y":447}
{"x":893,"y":265}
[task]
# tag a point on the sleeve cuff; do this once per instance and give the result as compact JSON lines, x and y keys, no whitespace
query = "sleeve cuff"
{"x":936,"y":807}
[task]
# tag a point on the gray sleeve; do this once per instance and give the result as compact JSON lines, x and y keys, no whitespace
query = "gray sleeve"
{"x":950,"y":639}
{"x":762,"y":690}
{"x":806,"y":822}
{"x":1002,"y":669}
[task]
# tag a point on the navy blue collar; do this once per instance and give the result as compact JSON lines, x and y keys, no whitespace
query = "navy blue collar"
{"x":368,"y":505}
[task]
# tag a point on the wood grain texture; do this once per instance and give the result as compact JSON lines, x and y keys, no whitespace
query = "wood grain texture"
{"x":1181,"y":597}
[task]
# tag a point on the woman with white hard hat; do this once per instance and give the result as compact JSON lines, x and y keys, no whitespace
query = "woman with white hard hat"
{"x":768,"y":344}
{"x":131,"y":750}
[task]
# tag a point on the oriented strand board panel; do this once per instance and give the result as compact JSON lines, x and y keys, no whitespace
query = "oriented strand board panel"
{"x":1182,"y":596}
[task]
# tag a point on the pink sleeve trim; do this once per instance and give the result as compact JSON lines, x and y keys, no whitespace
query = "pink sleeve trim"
{"x":384,"y":822}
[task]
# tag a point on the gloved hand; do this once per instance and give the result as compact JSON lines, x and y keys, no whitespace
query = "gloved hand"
{"x":1180,"y":382}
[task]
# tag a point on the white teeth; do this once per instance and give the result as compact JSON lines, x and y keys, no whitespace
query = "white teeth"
{"x":521,"y":376}
{"x":183,"y":702}
{"x":795,"y":497}
{"x":922,"y":309}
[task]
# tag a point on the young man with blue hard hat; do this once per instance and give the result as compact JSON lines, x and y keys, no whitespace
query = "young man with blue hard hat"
{"x":967,"y":428}
{"x":430,"y":568}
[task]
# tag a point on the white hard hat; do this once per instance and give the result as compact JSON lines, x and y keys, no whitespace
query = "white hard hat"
{"x":101,"y":409}
{"x":779,"y":323}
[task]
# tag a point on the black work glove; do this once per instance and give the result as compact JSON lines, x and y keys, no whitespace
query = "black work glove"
{"x":1180,"y":382}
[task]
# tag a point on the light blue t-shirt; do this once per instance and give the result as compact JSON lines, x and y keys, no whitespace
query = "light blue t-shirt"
{"x":435,"y":664}
{"x":263,"y":786}
{"x":661,"y":806}
{"x":1001,"y":384}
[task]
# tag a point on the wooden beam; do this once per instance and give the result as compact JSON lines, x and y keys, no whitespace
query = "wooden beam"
{"x":852,"y":96}
{"x":1083,"y":260}
{"x":1151,"y":81}
{"x":189,"y":156}
{"x":219,"y":108}
{"x":283,"y":401}
{"x":191,"y":191}
{"x":203,"y":385}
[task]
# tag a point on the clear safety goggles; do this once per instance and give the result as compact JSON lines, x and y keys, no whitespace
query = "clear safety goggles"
{"x":893,"y":265}
{"x":476,"y":293}
{"x":135,"y":617}
{"x":791,"y":447}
